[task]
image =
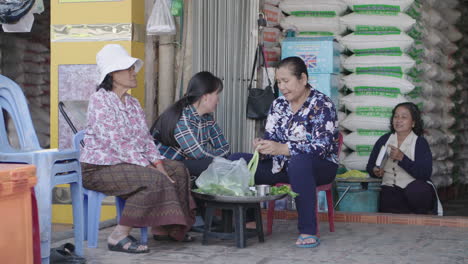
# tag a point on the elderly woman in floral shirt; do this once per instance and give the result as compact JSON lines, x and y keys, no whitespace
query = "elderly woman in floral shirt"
{"x":120,"y":159}
{"x":300,"y":144}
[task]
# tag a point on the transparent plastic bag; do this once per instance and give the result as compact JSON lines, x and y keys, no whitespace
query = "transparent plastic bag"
{"x":161,"y":21}
{"x":225,"y":177}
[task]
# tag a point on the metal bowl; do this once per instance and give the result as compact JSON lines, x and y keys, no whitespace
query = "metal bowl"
{"x":236,"y":199}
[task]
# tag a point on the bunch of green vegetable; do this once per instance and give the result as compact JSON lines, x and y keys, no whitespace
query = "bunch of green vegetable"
{"x":283,"y":189}
{"x":252,"y":166}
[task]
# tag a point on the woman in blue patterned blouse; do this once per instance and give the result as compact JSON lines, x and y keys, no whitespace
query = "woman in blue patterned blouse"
{"x":187,"y":130}
{"x":300,"y":145}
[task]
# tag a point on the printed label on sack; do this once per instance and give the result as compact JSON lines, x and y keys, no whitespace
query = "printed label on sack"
{"x":378,"y":33}
{"x":370,"y":132}
{"x":314,"y":13}
{"x":364,"y":153}
{"x":383,"y":71}
{"x":377,"y":8}
{"x":390,"y":92}
{"x":315,"y":33}
{"x":416,"y":32}
{"x":393,"y":51}
{"x":364,"y":28}
{"x":374,"y":111}
{"x":364,"y":148}
{"x":417,"y":91}
{"x":270,"y":36}
{"x":415,"y":72}
{"x":414,"y":12}
{"x":415,"y":53}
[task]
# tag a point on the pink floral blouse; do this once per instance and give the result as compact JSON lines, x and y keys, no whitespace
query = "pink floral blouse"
{"x":117,"y":132}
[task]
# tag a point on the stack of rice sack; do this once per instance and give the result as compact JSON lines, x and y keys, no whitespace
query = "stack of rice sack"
{"x":317,"y":18}
{"x":435,"y":36}
{"x":270,"y":36}
{"x":26,"y":60}
{"x":378,"y":69}
{"x":310,"y":18}
{"x":460,"y":144}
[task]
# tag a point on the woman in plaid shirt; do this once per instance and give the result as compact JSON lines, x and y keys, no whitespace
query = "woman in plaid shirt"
{"x":187,"y":130}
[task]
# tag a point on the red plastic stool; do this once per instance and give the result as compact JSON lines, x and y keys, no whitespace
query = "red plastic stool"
{"x":326,"y":187}
{"x":331,"y":212}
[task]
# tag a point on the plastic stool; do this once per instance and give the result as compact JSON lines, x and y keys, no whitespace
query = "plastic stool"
{"x":92,"y":208}
{"x":240,"y":232}
{"x":331,"y":212}
{"x":92,"y":205}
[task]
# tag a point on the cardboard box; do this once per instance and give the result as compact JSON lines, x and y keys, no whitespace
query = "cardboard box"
{"x":327,"y":84}
{"x":321,"y":54}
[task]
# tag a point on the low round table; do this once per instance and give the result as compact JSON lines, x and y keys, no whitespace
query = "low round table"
{"x":237,"y":205}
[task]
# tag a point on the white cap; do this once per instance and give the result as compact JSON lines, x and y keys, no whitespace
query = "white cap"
{"x":114,"y":57}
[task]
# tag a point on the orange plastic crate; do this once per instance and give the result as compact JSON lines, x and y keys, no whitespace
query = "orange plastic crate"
{"x":16,"y":239}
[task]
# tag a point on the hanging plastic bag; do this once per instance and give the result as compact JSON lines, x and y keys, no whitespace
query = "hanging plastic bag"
{"x":23,"y":25}
{"x":160,"y":21}
{"x":225,"y":177}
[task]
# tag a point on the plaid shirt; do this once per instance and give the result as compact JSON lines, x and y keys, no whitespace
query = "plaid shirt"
{"x":198,"y":136}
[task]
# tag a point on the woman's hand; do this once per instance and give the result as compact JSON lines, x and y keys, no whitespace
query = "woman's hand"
{"x":270,"y":147}
{"x":379,"y":172}
{"x":158,"y":165}
{"x":396,"y":153}
{"x":256,"y":142}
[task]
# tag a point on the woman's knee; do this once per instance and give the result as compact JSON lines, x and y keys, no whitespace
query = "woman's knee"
{"x":420,"y":196}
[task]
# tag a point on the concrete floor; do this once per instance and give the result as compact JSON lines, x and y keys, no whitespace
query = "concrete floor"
{"x":351,"y":243}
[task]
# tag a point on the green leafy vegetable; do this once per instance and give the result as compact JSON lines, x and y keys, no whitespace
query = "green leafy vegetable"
{"x":252,"y":166}
{"x":283,"y":189}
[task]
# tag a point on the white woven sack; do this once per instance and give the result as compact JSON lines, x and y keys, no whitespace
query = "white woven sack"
{"x":341,"y":116}
{"x":401,"y":21}
{"x":342,"y":156}
{"x":403,"y":61}
{"x":354,"y":102}
{"x":362,"y":140}
{"x":453,"y":34}
{"x":355,"y":121}
{"x":355,"y":161}
{"x":337,"y":6}
{"x":401,"y":5}
{"x":315,"y":24}
{"x":432,"y":18}
{"x":355,"y":41}
{"x":451,"y":15}
{"x":368,"y":80}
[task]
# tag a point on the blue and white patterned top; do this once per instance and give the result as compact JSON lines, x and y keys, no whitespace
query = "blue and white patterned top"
{"x":313,"y":129}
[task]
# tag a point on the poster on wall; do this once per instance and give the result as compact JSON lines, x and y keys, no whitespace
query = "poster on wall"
{"x":85,"y":1}
{"x":75,"y":85}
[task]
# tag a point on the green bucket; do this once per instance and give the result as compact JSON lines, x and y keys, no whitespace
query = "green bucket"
{"x":361,"y":196}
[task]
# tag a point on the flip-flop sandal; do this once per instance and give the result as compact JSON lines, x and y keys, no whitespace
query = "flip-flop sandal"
{"x":187,"y":238}
{"x":65,"y":254}
{"x":310,"y":245}
{"x":133,"y":248}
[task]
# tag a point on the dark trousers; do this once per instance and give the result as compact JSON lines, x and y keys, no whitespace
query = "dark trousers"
{"x":196,"y":167}
{"x":304,"y":173}
{"x":417,"y":198}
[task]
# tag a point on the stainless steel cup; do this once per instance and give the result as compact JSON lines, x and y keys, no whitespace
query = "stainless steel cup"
{"x":262,"y":190}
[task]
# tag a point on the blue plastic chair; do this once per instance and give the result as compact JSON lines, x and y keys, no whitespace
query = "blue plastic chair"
{"x":53,"y":167}
{"x":92,"y":207}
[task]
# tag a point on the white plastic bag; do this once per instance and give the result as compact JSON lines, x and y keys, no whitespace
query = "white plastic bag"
{"x":160,"y":21}
{"x":225,"y":177}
